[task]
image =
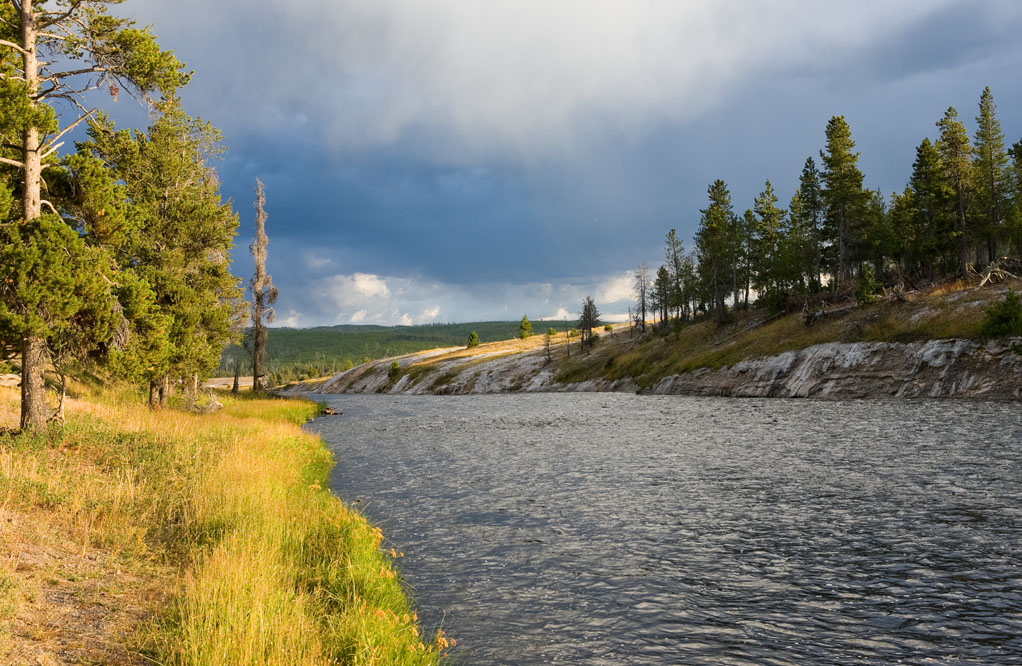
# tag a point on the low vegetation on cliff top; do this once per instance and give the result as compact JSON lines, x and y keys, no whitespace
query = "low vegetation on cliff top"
{"x":134,"y":537}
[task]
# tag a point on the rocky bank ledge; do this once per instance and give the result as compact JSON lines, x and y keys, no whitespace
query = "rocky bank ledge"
{"x":932,"y":369}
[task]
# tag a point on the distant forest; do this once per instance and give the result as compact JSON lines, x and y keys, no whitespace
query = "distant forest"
{"x":960,"y":211}
{"x":300,"y":353}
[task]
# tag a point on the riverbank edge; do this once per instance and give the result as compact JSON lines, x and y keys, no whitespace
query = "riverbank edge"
{"x":945,"y":368}
{"x":132,"y":536}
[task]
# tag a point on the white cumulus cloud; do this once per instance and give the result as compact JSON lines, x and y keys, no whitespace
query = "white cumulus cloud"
{"x":362,"y":298}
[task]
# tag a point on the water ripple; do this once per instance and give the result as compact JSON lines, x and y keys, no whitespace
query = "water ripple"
{"x":619,"y":529}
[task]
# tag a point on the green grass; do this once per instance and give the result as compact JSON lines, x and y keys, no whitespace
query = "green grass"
{"x":239,"y":552}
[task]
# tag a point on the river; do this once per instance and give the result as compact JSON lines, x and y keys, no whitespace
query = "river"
{"x":624,"y":529}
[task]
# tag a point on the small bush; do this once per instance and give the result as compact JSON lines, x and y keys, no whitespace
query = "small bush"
{"x":867,"y":288}
{"x":395,"y":370}
{"x":608,"y":327}
{"x":473,"y":339}
{"x":1004,"y":318}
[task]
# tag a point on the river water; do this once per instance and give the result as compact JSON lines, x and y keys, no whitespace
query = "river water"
{"x":623,"y":529}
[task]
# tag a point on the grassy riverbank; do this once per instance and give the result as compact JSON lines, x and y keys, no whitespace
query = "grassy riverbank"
{"x":135,"y":537}
{"x":954,"y":310}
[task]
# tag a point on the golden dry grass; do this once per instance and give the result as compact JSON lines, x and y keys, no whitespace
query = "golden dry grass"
{"x":136,"y":537}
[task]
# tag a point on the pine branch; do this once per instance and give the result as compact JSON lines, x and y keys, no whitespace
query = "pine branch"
{"x":16,"y":47}
{"x":52,"y":144}
{"x":56,"y":19}
{"x":15,"y":163}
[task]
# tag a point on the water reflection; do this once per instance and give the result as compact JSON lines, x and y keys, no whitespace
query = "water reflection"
{"x":619,"y":529}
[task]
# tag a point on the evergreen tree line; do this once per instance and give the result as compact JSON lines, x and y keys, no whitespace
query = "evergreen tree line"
{"x":961,"y":210}
{"x":114,"y":256}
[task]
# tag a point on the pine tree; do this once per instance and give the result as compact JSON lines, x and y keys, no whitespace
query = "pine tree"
{"x":525,"y":328}
{"x":904,"y":231}
{"x":766,"y":241}
{"x":264,"y":294}
{"x":1015,"y":216}
{"x":932,"y":224}
{"x":473,"y":339}
{"x":662,"y":295}
{"x":738,"y":242}
{"x":955,"y":155}
{"x":178,"y":243}
{"x":843,"y":196}
{"x":992,"y":179}
{"x":712,"y":246}
{"x":798,"y":252}
{"x":690,"y":285}
{"x":877,"y":241}
{"x":810,"y":192}
{"x":98,"y":50}
{"x":589,"y":318}
{"x":674,"y":254}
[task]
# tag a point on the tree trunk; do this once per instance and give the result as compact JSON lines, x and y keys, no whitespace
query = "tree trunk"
{"x":33,"y":359}
{"x":257,"y":352}
{"x":237,"y":374}
{"x":154,"y":394}
{"x":963,"y":243}
{"x":33,"y":386}
{"x":842,"y":251}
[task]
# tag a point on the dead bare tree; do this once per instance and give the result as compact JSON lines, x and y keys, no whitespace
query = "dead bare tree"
{"x":264,"y":294}
{"x":641,"y":294}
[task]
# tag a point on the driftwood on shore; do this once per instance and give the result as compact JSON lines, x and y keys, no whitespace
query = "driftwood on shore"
{"x":994,"y":273}
{"x":810,"y":318}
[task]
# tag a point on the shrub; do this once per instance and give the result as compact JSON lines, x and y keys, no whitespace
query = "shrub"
{"x":473,"y":339}
{"x":608,"y":327}
{"x":866,"y":292}
{"x":395,"y":370}
{"x":1004,"y":318}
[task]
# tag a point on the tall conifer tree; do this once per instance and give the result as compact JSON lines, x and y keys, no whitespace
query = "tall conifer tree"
{"x":177,"y":244}
{"x":767,"y":241}
{"x":932,"y":223}
{"x":674,"y":256}
{"x":842,"y":194}
{"x":712,"y":246}
{"x":65,"y":51}
{"x":992,"y":181}
{"x":813,"y":207}
{"x":956,"y":165}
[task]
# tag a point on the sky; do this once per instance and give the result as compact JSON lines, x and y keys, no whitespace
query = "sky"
{"x":454,"y":160}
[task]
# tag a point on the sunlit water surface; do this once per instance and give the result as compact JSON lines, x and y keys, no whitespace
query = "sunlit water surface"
{"x":622,"y":529}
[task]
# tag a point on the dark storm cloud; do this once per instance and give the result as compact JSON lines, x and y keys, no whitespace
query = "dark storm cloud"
{"x":471,"y":147}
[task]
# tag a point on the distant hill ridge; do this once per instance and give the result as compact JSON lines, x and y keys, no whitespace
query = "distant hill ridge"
{"x":298,"y":353}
